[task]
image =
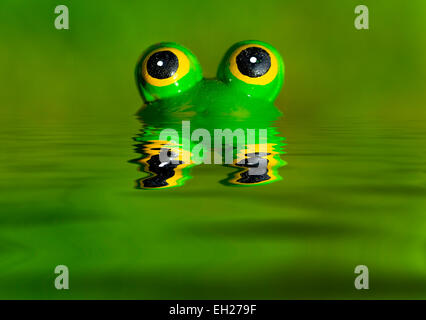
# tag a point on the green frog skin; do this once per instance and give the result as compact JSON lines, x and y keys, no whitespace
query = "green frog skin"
{"x":170,"y":80}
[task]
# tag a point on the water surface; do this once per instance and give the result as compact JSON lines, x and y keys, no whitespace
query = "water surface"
{"x":351,"y":193}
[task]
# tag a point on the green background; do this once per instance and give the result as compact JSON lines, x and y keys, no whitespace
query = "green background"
{"x":353,"y":191}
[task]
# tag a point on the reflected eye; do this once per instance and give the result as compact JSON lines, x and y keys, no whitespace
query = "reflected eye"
{"x":162,"y":64}
{"x":253,"y":62}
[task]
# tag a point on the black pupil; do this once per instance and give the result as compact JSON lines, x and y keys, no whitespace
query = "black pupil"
{"x":162,"y":65}
{"x":253,"y":62}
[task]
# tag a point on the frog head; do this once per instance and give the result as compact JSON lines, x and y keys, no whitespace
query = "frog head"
{"x":170,"y":80}
{"x":171,"y":83}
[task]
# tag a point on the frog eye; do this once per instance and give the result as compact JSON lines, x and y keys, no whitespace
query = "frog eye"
{"x":165,"y":66}
{"x":165,"y":70}
{"x":254,"y":67}
{"x":252,"y":64}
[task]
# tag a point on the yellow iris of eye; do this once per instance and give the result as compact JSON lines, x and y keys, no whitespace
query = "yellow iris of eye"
{"x":262,"y":80}
{"x":182,"y":70}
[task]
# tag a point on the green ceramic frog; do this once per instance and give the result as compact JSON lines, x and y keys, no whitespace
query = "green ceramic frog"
{"x":170,"y":80}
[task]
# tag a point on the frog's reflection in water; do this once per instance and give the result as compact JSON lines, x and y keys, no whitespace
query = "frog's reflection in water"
{"x":161,"y":174}
{"x":255,"y":164}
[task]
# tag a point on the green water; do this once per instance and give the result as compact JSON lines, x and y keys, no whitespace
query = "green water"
{"x":353,"y":191}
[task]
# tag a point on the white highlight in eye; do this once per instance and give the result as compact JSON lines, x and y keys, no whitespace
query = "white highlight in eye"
{"x":253,"y":59}
{"x":160,"y":63}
